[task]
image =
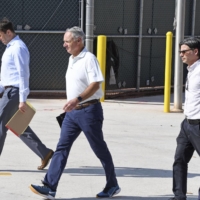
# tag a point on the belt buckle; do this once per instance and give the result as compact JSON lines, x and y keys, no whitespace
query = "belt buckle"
{"x":79,"y":107}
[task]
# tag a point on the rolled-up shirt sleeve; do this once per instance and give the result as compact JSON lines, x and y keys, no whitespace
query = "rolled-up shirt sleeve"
{"x":21,"y":59}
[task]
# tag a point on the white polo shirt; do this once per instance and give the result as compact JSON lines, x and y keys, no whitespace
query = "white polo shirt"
{"x":192,"y":92}
{"x":82,"y":71}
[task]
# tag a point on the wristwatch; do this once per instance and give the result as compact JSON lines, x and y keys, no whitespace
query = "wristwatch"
{"x":79,"y":98}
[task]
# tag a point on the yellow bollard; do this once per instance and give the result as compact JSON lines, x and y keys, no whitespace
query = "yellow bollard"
{"x":168,"y":61}
{"x":101,"y":56}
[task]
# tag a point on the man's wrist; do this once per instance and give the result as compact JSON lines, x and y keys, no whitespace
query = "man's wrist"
{"x":79,"y":98}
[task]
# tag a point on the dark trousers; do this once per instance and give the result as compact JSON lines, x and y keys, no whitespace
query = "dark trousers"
{"x":187,"y":141}
{"x":8,"y":106}
{"x":89,"y":120}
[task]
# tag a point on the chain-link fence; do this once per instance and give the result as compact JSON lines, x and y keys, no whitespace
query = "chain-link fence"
{"x":41,"y":25}
{"x":117,"y":20}
{"x":136,"y":25}
{"x":123,"y":28}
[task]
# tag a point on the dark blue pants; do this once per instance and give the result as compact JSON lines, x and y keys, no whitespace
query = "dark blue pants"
{"x":187,"y":141}
{"x":89,"y":120}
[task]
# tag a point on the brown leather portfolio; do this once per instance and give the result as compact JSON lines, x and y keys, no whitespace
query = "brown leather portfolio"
{"x":20,"y":121}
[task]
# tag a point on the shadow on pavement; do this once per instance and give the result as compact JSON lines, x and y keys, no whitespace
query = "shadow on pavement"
{"x":120,"y":171}
{"x":124,"y":172}
{"x":130,"y":198}
{"x":150,"y":100}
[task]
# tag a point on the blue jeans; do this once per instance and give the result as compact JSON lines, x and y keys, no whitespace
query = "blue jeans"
{"x":89,"y":120}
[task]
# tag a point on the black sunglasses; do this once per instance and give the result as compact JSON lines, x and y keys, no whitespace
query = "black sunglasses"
{"x":184,"y":51}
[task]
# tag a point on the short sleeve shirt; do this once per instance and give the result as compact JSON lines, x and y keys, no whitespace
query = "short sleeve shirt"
{"x":82,"y":71}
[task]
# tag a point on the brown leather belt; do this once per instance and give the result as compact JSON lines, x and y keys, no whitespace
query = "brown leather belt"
{"x":193,"y":121}
{"x":86,"y":104}
{"x":8,"y":86}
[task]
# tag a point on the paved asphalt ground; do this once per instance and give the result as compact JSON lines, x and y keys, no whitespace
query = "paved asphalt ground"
{"x":140,"y":136}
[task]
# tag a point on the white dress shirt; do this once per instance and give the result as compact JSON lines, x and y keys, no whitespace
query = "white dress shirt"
{"x":192,"y":92}
{"x":15,"y":67}
{"x":82,"y":71}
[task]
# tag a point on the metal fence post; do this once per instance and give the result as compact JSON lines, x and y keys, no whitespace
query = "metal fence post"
{"x":89,"y":25}
{"x":193,"y":17}
{"x":82,"y":15}
{"x":178,"y":71}
{"x":168,"y":63}
{"x":140,"y":44}
{"x":101,"y":56}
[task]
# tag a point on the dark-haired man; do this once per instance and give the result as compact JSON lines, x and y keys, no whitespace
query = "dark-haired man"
{"x":15,"y":88}
{"x":188,"y":139}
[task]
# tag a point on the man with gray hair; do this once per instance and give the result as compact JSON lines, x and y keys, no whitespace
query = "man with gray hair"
{"x":83,"y":113}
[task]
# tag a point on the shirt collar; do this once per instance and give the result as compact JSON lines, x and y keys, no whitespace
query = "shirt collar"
{"x":193,"y":66}
{"x":79,"y":56}
{"x":13,"y":41}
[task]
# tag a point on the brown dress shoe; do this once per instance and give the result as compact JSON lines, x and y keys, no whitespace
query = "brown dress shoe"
{"x":46,"y":160}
